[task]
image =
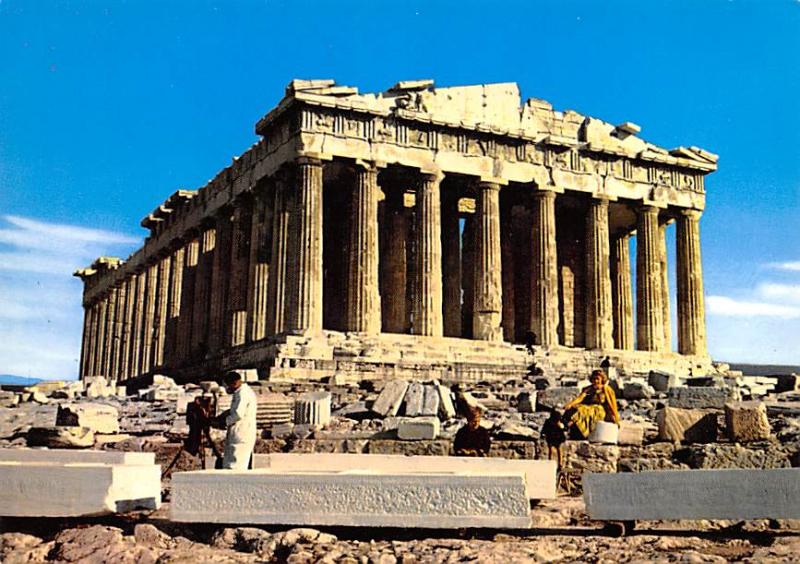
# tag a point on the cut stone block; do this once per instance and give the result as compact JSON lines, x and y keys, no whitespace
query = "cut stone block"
{"x":446,"y":408}
{"x":746,"y":421}
{"x":68,"y":456}
{"x":271,"y":409}
{"x":60,"y":437}
{"x":313,"y":408}
{"x":694,"y":494}
{"x":686,"y":425}
{"x":526,"y":402}
{"x":414,"y":398}
{"x":418,"y":428}
{"x":637,"y":390}
{"x":184,"y":400}
{"x":71,"y":490}
{"x":350,"y":499}
{"x":390,"y":398}
{"x":540,"y":475}
{"x":662,"y":381}
{"x":430,"y":401}
{"x":631,"y":433}
{"x":555,"y":398}
{"x":700,"y":398}
{"x":98,"y":417}
{"x":604,"y":433}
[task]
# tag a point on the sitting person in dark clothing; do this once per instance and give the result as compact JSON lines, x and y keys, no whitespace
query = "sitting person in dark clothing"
{"x":472,"y":439}
{"x":555,"y":435}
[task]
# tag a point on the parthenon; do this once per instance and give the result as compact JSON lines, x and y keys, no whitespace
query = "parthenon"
{"x":453,"y":233}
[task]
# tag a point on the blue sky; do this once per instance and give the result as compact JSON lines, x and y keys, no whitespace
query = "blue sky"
{"x":107,"y":107}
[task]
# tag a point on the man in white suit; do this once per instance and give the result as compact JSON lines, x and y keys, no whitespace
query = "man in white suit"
{"x":240,"y":421}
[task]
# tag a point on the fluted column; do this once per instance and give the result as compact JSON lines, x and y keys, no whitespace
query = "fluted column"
{"x":136,"y":326}
{"x":260,"y":257}
{"x":428,"y":279}
{"x":544,"y":269}
{"x":189,"y":304}
{"x":599,"y":325}
{"x":363,"y":313}
{"x":393,"y":264}
{"x":488,"y":289}
{"x":666,"y":318}
{"x":91,"y":340}
{"x":148,"y":326}
{"x":278,"y":283}
{"x":117,"y":339}
{"x":468,"y":275}
{"x":202,"y":291}
{"x":238,"y":274}
{"x":161,"y":310}
{"x":174,"y":306}
{"x":306,"y":260}
{"x":691,"y":307}
{"x":100,"y":359}
{"x":649,"y":307}
{"x":622,"y":292}
{"x":127,"y":323}
{"x":220,"y":274}
{"x":85,"y":334}
{"x":451,"y":265}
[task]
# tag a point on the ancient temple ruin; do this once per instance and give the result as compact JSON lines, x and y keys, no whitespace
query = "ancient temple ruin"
{"x":422,"y":232}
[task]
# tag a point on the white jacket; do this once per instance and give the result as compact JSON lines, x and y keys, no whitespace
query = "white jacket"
{"x":242,"y":431}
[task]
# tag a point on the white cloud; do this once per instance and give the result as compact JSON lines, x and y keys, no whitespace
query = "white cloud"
{"x":792,"y":266}
{"x":781,"y":293}
{"x":41,"y":317}
{"x":725,"y":306}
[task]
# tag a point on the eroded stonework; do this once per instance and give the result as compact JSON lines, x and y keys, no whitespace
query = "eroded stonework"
{"x":421,"y":231}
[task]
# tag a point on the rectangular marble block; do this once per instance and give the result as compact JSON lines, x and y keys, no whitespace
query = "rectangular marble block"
{"x":694,"y":494}
{"x":540,"y":475}
{"x":71,"y":456}
{"x":350,"y":499}
{"x":71,"y":490}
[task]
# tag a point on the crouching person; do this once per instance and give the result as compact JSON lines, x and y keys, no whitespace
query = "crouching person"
{"x":240,"y":421}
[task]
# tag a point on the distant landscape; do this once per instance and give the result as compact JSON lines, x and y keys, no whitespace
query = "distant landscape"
{"x":766,"y":369}
{"x":11,"y":380}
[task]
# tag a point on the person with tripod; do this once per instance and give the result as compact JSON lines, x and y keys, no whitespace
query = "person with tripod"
{"x":240,"y":421}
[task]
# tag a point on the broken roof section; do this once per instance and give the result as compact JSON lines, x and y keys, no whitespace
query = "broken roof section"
{"x":495,"y":108}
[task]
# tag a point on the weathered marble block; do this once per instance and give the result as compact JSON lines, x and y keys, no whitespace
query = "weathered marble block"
{"x":69,"y":456}
{"x":350,"y":499}
{"x":694,"y":494}
{"x":414,"y":399}
{"x":98,"y":417}
{"x":390,"y":398}
{"x":686,"y":425}
{"x":540,"y":475}
{"x":418,"y":428}
{"x":746,"y":421}
{"x":31,"y":489}
{"x":313,"y":408}
{"x":430,"y":401}
{"x":701,"y":397}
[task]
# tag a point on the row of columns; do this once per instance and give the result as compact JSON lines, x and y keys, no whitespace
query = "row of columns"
{"x":256,"y":270}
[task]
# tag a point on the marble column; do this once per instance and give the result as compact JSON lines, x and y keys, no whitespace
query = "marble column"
{"x":239,"y":274}
{"x":91,"y":343}
{"x":202,"y":293}
{"x":111,"y":325}
{"x":649,"y":307}
{"x":508,"y":273}
{"x":260,"y":258}
{"x":99,"y":362}
{"x":599,"y":324}
{"x":488,"y":289}
{"x":148,"y":325}
{"x":622,"y":295}
{"x":428,"y":280}
{"x":278,"y":283}
{"x":138,"y":320}
{"x":666,"y":318}
{"x":174,"y":305}
{"x":188,"y":300}
{"x":544,"y":269}
{"x":468,"y":274}
{"x":127,"y":324}
{"x":116,"y":342}
{"x":85,"y":336}
{"x":451,"y":265}
{"x":220,"y":273}
{"x":306,"y":261}
{"x":691,"y":308}
{"x":161,"y":310}
{"x":363,"y":312}
{"x":393,"y":264}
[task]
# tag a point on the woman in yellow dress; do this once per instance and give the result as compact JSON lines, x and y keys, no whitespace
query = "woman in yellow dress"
{"x":597,"y":402}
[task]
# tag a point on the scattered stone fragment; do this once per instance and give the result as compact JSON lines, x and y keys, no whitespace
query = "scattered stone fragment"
{"x":418,"y":428}
{"x":430,"y":401}
{"x":526,"y":402}
{"x":686,"y":425}
{"x":701,"y":398}
{"x":390,"y":399}
{"x":60,"y":437}
{"x":98,"y":417}
{"x":555,"y":398}
{"x":746,"y":421}
{"x":446,"y":408}
{"x":414,"y":398}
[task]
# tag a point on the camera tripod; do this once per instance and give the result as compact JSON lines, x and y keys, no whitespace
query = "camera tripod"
{"x":199,"y":419}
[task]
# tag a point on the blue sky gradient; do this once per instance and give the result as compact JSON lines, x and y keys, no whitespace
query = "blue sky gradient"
{"x":108,"y":107}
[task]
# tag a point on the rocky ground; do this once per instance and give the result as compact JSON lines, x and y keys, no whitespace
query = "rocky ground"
{"x":662,"y":430}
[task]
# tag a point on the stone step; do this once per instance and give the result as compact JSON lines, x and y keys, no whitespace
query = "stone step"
{"x":425,"y":500}
{"x":71,"y":456}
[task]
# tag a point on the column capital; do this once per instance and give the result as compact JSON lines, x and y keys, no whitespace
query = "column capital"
{"x":371,"y":166}
{"x":312,"y":159}
{"x":690,"y":213}
{"x":496,"y":180}
{"x":544,"y":194}
{"x":431,"y":175}
{"x":648,"y":208}
{"x":599,"y":200}
{"x":489,"y":184}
